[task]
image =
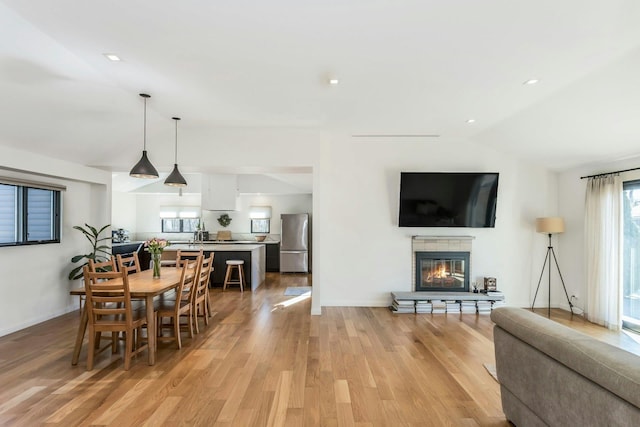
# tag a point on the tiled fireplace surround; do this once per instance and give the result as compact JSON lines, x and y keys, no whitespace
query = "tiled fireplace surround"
{"x":437,"y":244}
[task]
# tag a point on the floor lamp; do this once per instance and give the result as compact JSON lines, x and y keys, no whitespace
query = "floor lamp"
{"x":550,"y":225}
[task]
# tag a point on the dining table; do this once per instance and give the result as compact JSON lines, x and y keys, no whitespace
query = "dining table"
{"x":141,"y":285}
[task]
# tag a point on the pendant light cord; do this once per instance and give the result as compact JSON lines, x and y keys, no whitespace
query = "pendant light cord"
{"x":144,"y":130}
{"x":176,"y":147}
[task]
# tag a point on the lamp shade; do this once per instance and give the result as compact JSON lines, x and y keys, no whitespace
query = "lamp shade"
{"x":144,"y":168}
{"x":175,"y":178}
{"x":550,"y":225}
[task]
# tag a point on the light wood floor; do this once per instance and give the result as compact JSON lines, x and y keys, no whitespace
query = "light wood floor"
{"x":260,"y":363}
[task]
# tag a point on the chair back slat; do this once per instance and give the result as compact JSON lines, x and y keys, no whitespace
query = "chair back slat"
{"x":181,"y":256}
{"x":131,"y":263}
{"x":104,"y":266}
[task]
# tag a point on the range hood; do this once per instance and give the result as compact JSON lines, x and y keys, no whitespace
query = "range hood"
{"x":220,"y":192}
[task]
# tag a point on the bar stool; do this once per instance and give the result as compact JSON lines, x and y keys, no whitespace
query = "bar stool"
{"x":234,"y":264}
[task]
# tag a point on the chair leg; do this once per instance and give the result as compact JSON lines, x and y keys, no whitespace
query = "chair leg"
{"x":190,"y":323}
{"x":205,"y":311}
{"x":241,"y":277}
{"x":158,"y":326}
{"x":227,"y":275}
{"x":209,"y":313}
{"x":91,"y":348}
{"x":193,"y":315}
{"x":176,"y":330}
{"x":114,"y":342}
{"x":128,"y":350}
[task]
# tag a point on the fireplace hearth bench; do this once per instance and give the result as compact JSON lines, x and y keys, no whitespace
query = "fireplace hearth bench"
{"x":438,"y":295}
{"x":550,"y":374}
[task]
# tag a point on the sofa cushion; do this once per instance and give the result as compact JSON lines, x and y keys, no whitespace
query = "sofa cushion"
{"x":611,"y":367}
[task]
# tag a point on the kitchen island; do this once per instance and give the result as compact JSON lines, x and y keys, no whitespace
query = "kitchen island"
{"x":253,"y":256}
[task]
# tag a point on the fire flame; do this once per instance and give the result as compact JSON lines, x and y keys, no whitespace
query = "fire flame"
{"x":438,"y":273}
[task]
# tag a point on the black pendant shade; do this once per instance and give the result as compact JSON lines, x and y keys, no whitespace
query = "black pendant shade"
{"x":144,"y":168}
{"x":175,"y":178}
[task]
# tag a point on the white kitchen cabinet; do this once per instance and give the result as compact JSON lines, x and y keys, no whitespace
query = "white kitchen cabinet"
{"x":219,"y":192}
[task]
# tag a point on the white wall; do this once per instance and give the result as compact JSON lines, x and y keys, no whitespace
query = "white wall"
{"x":363,"y":254}
{"x":124,"y":211}
{"x":34,"y":278}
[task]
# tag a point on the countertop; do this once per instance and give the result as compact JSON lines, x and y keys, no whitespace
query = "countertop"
{"x":240,"y":242}
{"x":214,"y":247}
{"x":207,"y":242}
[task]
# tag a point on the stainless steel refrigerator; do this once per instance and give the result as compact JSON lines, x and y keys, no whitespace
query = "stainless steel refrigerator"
{"x":294,"y":243}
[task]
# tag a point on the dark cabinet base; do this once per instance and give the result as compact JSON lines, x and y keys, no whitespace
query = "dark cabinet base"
{"x":128,"y":248}
{"x":272,"y":259}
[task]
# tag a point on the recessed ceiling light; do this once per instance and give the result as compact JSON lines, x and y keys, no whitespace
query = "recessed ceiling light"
{"x":531,"y":82}
{"x":112,"y":57}
{"x":471,"y":121}
{"x":334,"y":82}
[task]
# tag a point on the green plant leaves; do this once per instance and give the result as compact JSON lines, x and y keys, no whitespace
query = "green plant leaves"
{"x":92,"y":234}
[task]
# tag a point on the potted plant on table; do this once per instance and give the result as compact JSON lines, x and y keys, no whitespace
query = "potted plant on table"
{"x":155,"y":247}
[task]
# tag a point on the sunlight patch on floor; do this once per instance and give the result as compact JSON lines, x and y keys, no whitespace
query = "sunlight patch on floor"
{"x":292,"y":301}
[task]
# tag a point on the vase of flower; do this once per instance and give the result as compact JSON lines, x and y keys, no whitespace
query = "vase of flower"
{"x":155,"y":247}
{"x":155,"y":259}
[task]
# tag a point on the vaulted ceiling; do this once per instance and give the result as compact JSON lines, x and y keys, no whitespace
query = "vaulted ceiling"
{"x":422,"y":67}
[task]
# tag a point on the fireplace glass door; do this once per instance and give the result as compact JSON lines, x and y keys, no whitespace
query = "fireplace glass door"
{"x":442,"y":271}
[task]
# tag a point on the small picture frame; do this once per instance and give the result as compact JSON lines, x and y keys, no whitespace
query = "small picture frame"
{"x":490,"y":284}
{"x":260,"y":225}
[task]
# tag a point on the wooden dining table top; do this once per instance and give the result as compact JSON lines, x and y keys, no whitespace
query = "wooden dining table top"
{"x":143,"y":283}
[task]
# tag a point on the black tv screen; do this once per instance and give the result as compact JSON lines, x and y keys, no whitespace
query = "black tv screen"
{"x":446,"y":199}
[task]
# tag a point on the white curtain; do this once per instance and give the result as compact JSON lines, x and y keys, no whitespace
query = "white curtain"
{"x":603,"y":230}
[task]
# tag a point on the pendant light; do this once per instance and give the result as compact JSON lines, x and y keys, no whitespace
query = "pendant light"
{"x":144,"y":168}
{"x":175,"y":179}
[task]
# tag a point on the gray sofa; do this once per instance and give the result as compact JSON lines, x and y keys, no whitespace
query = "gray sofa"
{"x":550,"y":374}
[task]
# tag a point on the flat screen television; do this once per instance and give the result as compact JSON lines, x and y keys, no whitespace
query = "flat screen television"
{"x":448,"y":199}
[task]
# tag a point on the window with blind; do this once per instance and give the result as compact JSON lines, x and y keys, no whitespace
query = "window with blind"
{"x":29,"y":215}
{"x":180,"y":225}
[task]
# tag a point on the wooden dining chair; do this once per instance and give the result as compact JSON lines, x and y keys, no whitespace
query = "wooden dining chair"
{"x":168,"y":258}
{"x":186,"y":255}
{"x":181,"y":306}
{"x":109,"y":310}
{"x":201,"y":307}
{"x":131,"y":263}
{"x":107,"y":265}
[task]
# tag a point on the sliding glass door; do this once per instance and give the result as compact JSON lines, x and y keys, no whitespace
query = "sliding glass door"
{"x":631,"y":256}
